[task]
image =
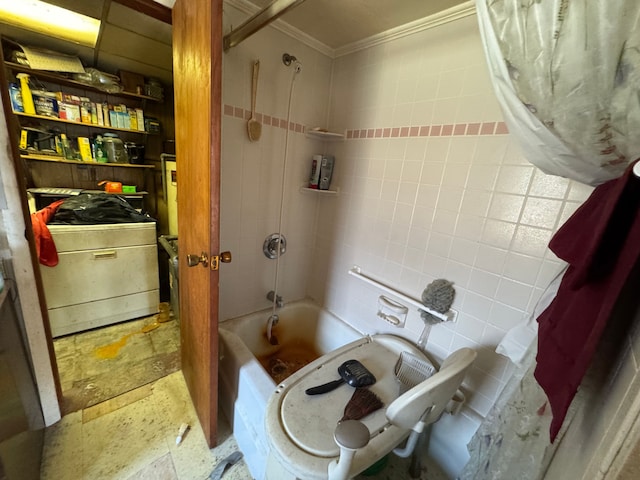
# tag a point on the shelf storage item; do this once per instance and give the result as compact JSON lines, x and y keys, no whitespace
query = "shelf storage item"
{"x":62,"y":80}
{"x":81,"y":124}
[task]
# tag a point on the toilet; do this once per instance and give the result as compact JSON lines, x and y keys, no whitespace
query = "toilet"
{"x":300,"y":428}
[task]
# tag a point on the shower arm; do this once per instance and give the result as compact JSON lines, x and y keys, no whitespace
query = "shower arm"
{"x":261,"y":19}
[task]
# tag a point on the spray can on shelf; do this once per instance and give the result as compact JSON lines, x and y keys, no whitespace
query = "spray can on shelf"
{"x":27,"y":98}
{"x":315,"y":171}
{"x":326,"y":171}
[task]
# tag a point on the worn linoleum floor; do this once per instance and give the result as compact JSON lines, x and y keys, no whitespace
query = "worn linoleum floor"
{"x":100,"y":364}
{"x":133,"y":437}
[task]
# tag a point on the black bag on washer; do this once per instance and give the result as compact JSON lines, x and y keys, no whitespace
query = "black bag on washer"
{"x":97,"y":208}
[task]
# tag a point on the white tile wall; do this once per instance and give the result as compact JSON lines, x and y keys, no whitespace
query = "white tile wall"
{"x":431,"y":186}
{"x":466,"y":206}
{"x":252,"y":180}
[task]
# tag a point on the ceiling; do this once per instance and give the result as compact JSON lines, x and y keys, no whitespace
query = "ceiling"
{"x":136,"y":42}
{"x":337,"y":23}
{"x":129,"y":40}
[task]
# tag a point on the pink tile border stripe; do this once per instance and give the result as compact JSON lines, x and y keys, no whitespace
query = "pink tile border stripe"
{"x":266,"y":120}
{"x":448,"y":130}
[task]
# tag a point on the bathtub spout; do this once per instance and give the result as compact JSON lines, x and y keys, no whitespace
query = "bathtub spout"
{"x":278,"y":300}
{"x":272,"y":322}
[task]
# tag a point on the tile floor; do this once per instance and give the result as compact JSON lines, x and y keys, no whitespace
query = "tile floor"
{"x":133,"y":437}
{"x":100,"y":364}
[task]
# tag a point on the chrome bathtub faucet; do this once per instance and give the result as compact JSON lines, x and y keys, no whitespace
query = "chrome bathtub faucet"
{"x":278,"y":300}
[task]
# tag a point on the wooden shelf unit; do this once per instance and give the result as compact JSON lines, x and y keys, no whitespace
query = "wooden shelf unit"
{"x":53,"y":158}
{"x":79,"y":124}
{"x":62,"y":80}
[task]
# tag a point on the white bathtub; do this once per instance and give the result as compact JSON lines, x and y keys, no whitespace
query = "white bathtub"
{"x":245,"y":386}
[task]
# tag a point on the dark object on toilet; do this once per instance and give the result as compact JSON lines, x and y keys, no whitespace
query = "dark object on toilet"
{"x":362,"y":403}
{"x":351,"y":372}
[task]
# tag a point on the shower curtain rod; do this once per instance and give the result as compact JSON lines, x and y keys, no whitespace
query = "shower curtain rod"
{"x":261,"y":19}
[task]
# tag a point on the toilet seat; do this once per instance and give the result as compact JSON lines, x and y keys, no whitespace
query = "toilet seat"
{"x":300,"y":427}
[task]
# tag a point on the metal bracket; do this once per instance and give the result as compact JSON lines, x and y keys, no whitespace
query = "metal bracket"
{"x":216,"y":260}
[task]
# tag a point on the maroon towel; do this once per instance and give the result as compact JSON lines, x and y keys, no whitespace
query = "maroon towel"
{"x":45,"y":246}
{"x":601,"y":243}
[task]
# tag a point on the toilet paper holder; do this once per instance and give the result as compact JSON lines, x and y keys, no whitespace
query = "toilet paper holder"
{"x":392,"y":312}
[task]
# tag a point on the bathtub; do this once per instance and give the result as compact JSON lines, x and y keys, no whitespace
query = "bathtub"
{"x":244,"y":383}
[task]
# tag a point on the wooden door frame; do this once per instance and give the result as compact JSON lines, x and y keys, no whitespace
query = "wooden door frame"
{"x":20,"y":173}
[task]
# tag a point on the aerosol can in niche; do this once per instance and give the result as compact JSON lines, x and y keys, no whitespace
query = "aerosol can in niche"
{"x":326,"y":171}
{"x":314,"y":178}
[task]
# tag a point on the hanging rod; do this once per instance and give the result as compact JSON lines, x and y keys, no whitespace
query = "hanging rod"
{"x":261,"y":19}
{"x":450,"y":315}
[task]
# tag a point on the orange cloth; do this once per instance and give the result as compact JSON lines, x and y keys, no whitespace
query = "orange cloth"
{"x":45,"y":246}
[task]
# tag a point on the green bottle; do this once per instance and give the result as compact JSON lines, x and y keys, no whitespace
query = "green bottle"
{"x":101,"y":156}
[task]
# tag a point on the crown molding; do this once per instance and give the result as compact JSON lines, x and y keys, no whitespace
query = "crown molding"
{"x":451,"y":14}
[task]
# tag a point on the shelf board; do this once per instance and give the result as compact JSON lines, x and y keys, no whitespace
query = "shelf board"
{"x":80,"y":124}
{"x":57,"y":78}
{"x":315,"y":191}
{"x":78,"y":191}
{"x":325,"y":135}
{"x":56,"y":159}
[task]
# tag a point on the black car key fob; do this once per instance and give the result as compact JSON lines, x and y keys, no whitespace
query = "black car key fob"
{"x":351,"y":372}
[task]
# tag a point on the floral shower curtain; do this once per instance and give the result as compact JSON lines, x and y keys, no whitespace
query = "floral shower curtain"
{"x":567,"y":75}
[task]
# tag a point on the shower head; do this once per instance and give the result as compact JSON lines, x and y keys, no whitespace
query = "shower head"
{"x":298,"y":67}
{"x":287,"y":59}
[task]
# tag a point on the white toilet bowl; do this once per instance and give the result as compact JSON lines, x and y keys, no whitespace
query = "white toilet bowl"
{"x":300,"y":427}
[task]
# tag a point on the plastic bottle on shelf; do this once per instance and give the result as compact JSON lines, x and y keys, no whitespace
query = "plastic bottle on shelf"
{"x":101,"y":156}
{"x":16,"y":98}
{"x":67,"y":152}
{"x":27,"y":98}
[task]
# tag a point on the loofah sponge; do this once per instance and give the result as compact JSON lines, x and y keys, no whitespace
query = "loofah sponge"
{"x":438,"y":296}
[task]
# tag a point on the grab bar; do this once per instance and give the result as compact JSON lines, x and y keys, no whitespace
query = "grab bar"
{"x":449,"y":315}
